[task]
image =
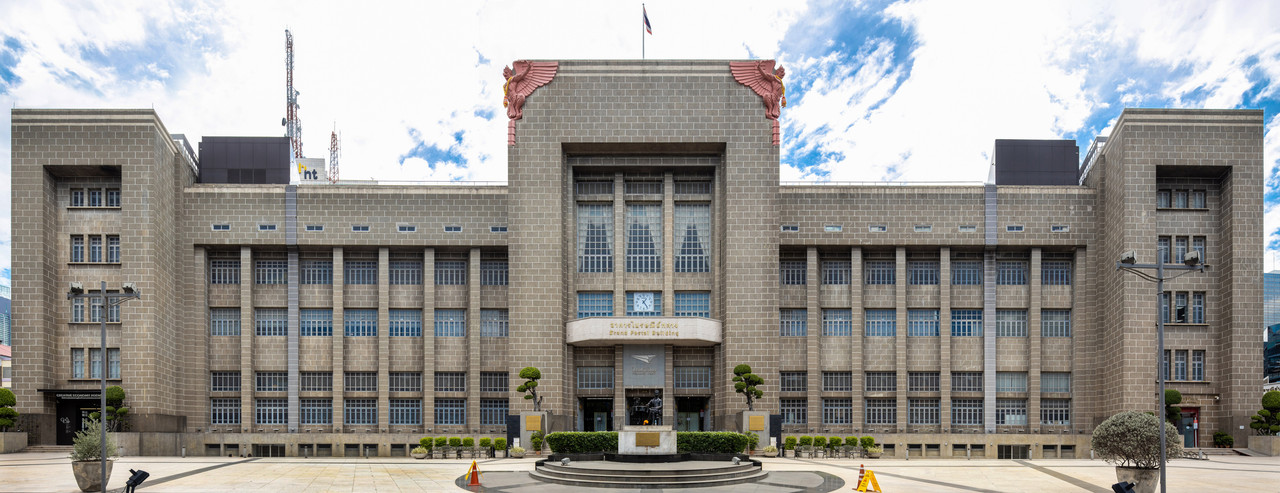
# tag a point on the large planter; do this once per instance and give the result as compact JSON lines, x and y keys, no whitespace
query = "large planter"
{"x":1144,"y":480}
{"x":873,"y":455}
{"x":420,"y":455}
{"x":89,"y":474}
{"x":499,"y":454}
{"x":517,"y":455}
{"x":790,"y":453}
{"x":770,"y":454}
{"x":12,"y":441}
{"x":821,"y":454}
{"x":437,"y":454}
{"x":1265,"y":445}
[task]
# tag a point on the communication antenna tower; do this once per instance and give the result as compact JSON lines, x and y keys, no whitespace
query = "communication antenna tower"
{"x":292,"y":125}
{"x":335,"y":151}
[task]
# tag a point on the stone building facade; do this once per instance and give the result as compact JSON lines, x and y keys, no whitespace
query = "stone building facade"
{"x":644,"y":243}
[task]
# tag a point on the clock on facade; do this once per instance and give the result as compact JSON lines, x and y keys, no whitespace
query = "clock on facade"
{"x":643,"y":302}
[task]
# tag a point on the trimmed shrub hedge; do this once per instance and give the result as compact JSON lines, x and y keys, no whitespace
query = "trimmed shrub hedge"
{"x":711,"y":442}
{"x":583,"y":442}
{"x":588,"y":442}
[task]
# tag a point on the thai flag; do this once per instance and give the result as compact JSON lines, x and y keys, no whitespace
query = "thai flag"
{"x":647,"y":27}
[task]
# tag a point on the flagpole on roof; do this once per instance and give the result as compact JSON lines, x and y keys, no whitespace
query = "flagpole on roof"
{"x":644,"y":17}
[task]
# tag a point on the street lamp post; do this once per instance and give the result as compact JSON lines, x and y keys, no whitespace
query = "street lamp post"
{"x":1191,"y":262}
{"x":128,"y":291}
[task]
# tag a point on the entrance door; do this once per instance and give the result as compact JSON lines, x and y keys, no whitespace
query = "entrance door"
{"x":597,"y":414}
{"x":691,"y":413}
{"x":601,"y":421}
{"x":1189,"y":426}
{"x":73,"y":415}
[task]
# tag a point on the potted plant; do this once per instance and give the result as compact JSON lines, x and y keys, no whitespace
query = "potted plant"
{"x":753,"y":441}
{"x":789,"y":446}
{"x":820,"y":447}
{"x":441,"y":443}
{"x":500,"y":447}
{"x":866,"y":444}
{"x":486,"y":445}
{"x":1131,"y":441}
{"x":1266,"y":425}
{"x":517,"y":452}
{"x":455,"y":448}
{"x":535,"y":440}
{"x":1223,"y":440}
{"x":771,"y":451}
{"x":8,"y":416}
{"x":806,"y":447}
{"x":86,"y":457}
{"x":873,"y":452}
{"x":468,"y":448}
{"x":833,"y":444}
{"x":419,"y":452}
{"x":851,"y":447}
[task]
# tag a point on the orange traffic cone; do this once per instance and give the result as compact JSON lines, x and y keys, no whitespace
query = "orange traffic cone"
{"x":862,"y":471}
{"x":473,"y":475}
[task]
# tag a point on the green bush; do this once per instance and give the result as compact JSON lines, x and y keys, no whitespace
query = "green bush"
{"x":753,"y":440}
{"x":582,"y":442}
{"x":866,"y":442}
{"x":1221,"y":439}
{"x":806,"y":441}
{"x":486,"y":442}
{"x":420,"y":450}
{"x":834,"y":442}
{"x":442,"y":442}
{"x":1132,"y":439}
{"x":455,"y":442}
{"x":789,"y":443}
{"x":8,"y":416}
{"x":468,"y":442}
{"x":851,"y":441}
{"x":711,"y":442}
{"x":87,"y":445}
{"x":426,"y":442}
{"x":535,"y":439}
{"x":500,"y":443}
{"x":1267,"y":421}
{"x":1172,"y":413}
{"x":820,"y":442}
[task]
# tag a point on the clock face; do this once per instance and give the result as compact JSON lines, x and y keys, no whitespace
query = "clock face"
{"x":644,"y":302}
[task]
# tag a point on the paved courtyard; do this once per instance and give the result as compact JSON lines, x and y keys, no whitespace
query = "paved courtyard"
{"x":51,"y":472}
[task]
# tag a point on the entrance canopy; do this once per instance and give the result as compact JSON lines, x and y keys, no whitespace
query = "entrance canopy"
{"x":609,"y":331}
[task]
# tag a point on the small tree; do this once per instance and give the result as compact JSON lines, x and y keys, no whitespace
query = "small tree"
{"x":1267,"y":421}
{"x":745,"y":383}
{"x":1132,"y":439}
{"x":8,"y":416}
{"x":531,"y":376}
{"x":1172,"y":413}
{"x":87,"y":445}
{"x":116,"y":412}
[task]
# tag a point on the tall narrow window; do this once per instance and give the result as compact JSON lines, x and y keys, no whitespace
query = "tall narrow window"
{"x":77,"y":248}
{"x":1197,"y":244}
{"x":95,"y":248}
{"x":113,"y":197}
{"x":1180,"y":365}
{"x":77,"y":363}
{"x":113,"y":249}
{"x":1197,"y":199}
{"x":95,"y":197}
{"x":1197,"y":308}
{"x":1179,"y":249}
{"x":692,"y":237}
{"x":1180,"y":199}
{"x":1162,"y":199}
{"x":95,"y":362}
{"x":1197,"y":366}
{"x":77,"y":197}
{"x":644,"y":238}
{"x":77,"y":310}
{"x":595,"y":238}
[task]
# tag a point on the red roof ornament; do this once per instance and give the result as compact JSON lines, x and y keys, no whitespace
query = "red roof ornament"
{"x":521,"y":81}
{"x":761,"y":77}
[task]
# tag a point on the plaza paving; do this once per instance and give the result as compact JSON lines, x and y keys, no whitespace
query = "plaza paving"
{"x":51,"y":472}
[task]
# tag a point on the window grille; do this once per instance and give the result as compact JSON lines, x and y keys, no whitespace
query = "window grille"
{"x":656,"y":311}
{"x":881,"y":323}
{"x":360,"y":272}
{"x":595,"y":305}
{"x":266,"y":227}
{"x":271,"y":381}
{"x":405,"y":272}
{"x":360,"y":322}
{"x":880,"y":271}
{"x":922,"y":323}
{"x":966,"y":412}
{"x":453,"y":229}
{"x":794,"y":381}
{"x":494,"y":323}
{"x":1055,"y":323}
{"x":360,"y":228}
{"x":270,"y":272}
{"x":924,"y":411}
{"x":693,"y":377}
{"x":1197,"y":366}
{"x":585,"y":187}
{"x":966,"y":272}
{"x":360,"y":411}
{"x":644,"y":237}
{"x":1055,"y":273}
{"x":451,"y":411}
{"x":451,"y":381}
{"x":224,"y":411}
{"x":923,"y":272}
{"x":595,"y":377}
{"x":837,"y":322}
{"x":837,"y":411}
{"x":224,"y":381}
{"x":316,"y":322}
{"x":1014,"y":228}
{"x":360,"y":381}
{"x":451,"y":272}
{"x":405,"y":381}
{"x":315,"y":227}
{"x":1055,"y":412}
{"x":794,"y":411}
{"x":1009,"y":381}
{"x":224,"y":321}
{"x":1011,"y":412}
{"x":271,"y":411}
{"x":406,"y":411}
{"x":224,"y":272}
{"x":595,"y":238}
{"x":1055,"y":382}
{"x":881,"y":412}
{"x":1011,"y":323}
{"x":113,"y":249}
{"x":451,"y":323}
{"x":77,"y":248}
{"x":966,"y":323}
{"x":493,"y":412}
{"x":495,"y":381}
{"x":494,"y":273}
{"x":926,"y":381}
{"x":691,"y":242}
{"x":317,"y":272}
{"x":881,"y":381}
{"x":405,"y":323}
{"x":1011,"y":272}
{"x":642,"y":187}
{"x":314,"y":381}
{"x":793,"y":322}
{"x":837,"y":381}
{"x":836,"y":272}
{"x":692,"y":188}
{"x":270,"y":321}
{"x":316,"y":411}
{"x":693,"y":304}
{"x":792,"y":272}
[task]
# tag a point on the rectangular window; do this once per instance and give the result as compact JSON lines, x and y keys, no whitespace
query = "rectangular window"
{"x":595,"y":238}
{"x":77,"y":310}
{"x":790,"y":228}
{"x":315,"y":227}
{"x":360,"y":323}
{"x":923,"y":381}
{"x":406,"y":228}
{"x":1055,"y":272}
{"x":595,"y":305}
{"x":451,"y":272}
{"x":95,"y":309}
{"x":494,"y":273}
{"x":922,"y":323}
{"x":77,"y":197}
{"x":113,"y":363}
{"x":881,"y":323}
{"x":360,"y":228}
{"x":833,"y":228}
{"x":595,"y":377}
{"x":494,"y":381}
{"x":924,"y":411}
{"x":793,"y":322}
{"x":453,"y":229}
{"x":649,"y":305}
{"x":1163,"y":249}
{"x":406,"y":411}
{"x":966,"y":412}
{"x":405,"y":272}
{"x":966,"y":381}
{"x":451,"y":411}
{"x":1165,"y":365}
{"x":270,"y":271}
{"x":794,"y":381}
{"x":493,"y":412}
{"x":271,"y":381}
{"x":693,"y":304}
{"x":836,"y":272}
{"x":691,"y":244}
{"x":693,"y":377}
{"x":1197,"y":199}
{"x":224,"y":411}
{"x":794,"y":411}
{"x":224,"y":321}
{"x":494,"y":323}
{"x":966,"y":272}
{"x":644,"y":238}
{"x":1197,"y":308}
{"x":402,"y":381}
{"x":1013,"y":228}
{"x":266,"y":227}
{"x":95,"y":362}
{"x":316,"y":411}
{"x":405,"y":323}
{"x":1011,"y":412}
{"x":95,"y":248}
{"x":880,"y":271}
{"x":1179,"y":248}
{"x":95,"y":197}
{"x":792,"y":272}
{"x":1011,"y":272}
{"x":1055,"y":323}
{"x":837,"y":411}
{"x":1055,"y":412}
{"x":837,"y":381}
{"x":270,"y":321}
{"x":967,"y":228}
{"x":77,"y":248}
{"x":450,"y":381}
{"x":881,"y":381}
{"x":360,"y":381}
{"x":316,"y":322}
{"x":1164,"y":307}
{"x":497,"y":229}
{"x":881,"y":412}
{"x":922,"y":272}
{"x":315,"y":381}
{"x":1060,"y":228}
{"x":1162,"y":199}
{"x":224,"y":272}
{"x":1055,"y":382}
{"x":1197,"y":244}
{"x":317,"y":272}
{"x":1011,"y":381}
{"x":924,"y":228}
{"x":77,"y":363}
{"x":877,"y":228}
{"x":1180,"y":199}
{"x":1011,"y":323}
{"x":220,"y":227}
{"x":1180,"y":307}
{"x":360,"y":411}
{"x":966,"y":323}
{"x":360,"y":272}
{"x":1197,"y":366}
{"x":451,"y":323}
{"x":113,"y":249}
{"x":1180,"y":364}
{"x":837,"y":322}
{"x":224,"y":381}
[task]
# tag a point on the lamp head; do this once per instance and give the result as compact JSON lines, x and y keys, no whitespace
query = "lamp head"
{"x":76,"y":289}
{"x":1192,"y":258}
{"x":1129,"y":257}
{"x":129,"y":288}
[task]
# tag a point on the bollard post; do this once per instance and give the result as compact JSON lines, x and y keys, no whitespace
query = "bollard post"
{"x":184,"y":452}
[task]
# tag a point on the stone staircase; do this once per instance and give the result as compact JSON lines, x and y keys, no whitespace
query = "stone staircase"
{"x":40,"y":449}
{"x":607,"y":474}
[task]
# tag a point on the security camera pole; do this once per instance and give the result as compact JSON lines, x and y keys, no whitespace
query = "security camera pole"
{"x":129,"y":291}
{"x":1191,"y":262}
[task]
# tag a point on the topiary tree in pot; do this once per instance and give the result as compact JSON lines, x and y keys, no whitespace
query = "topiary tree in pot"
{"x":116,"y":412}
{"x":746,"y":383}
{"x":8,"y":416}
{"x":1267,"y":421}
{"x":1131,"y":441}
{"x":86,"y":456}
{"x":531,"y":376}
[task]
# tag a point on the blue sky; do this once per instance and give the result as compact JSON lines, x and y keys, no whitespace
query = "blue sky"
{"x":877,"y":90}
